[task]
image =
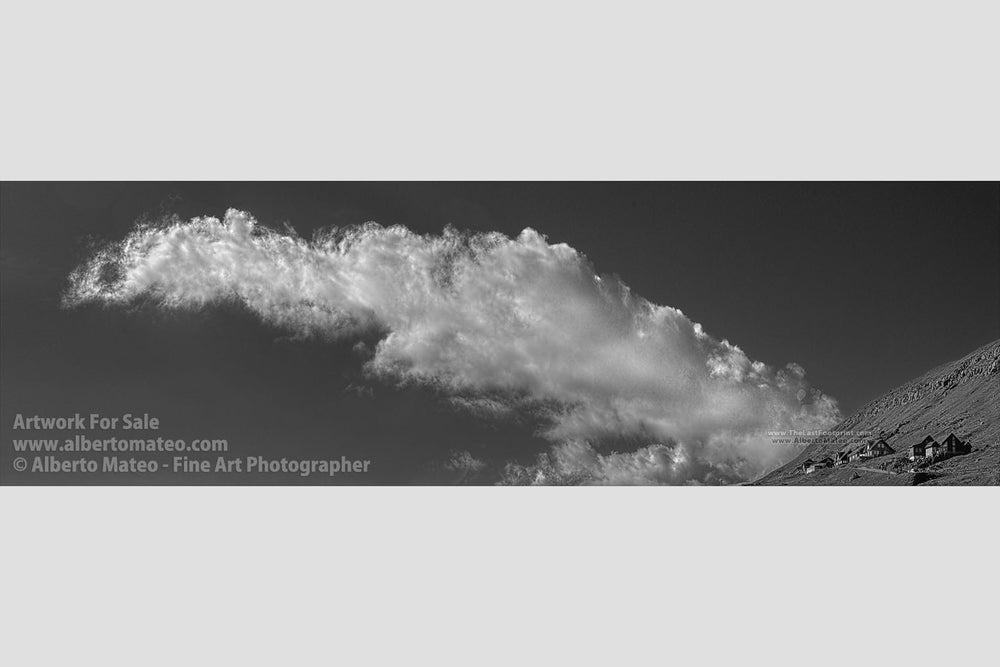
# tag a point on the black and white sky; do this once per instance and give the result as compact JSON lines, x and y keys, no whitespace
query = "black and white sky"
{"x":625,"y":332}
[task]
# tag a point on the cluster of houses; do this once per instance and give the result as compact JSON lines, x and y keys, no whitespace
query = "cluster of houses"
{"x":926,"y":448}
{"x":930,"y":448}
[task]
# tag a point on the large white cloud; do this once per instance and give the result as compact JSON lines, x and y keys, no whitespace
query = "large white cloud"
{"x":499,"y":324}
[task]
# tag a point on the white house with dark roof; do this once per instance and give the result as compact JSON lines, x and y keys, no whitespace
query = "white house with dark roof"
{"x":822,"y":463}
{"x":919,"y":450}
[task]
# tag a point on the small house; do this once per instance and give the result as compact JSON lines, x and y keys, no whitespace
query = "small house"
{"x":869,"y":450}
{"x":920,"y":450}
{"x":880,"y":448}
{"x":865,"y":451}
{"x":813,"y":466}
{"x":952,"y":446}
{"x":840,"y":458}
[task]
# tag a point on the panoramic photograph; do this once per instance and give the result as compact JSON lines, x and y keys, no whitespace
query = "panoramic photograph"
{"x":540,"y":333}
{"x":500,"y":333}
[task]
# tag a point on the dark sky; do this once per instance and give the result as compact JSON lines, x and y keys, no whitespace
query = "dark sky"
{"x":865,"y":285}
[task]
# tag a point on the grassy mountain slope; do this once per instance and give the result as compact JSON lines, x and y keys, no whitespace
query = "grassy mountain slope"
{"x":961,"y":397}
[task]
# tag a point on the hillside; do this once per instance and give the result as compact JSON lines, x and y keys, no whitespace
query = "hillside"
{"x":961,"y":397}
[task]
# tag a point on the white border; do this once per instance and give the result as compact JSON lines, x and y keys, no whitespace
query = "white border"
{"x":860,"y":89}
{"x":168,"y":576}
